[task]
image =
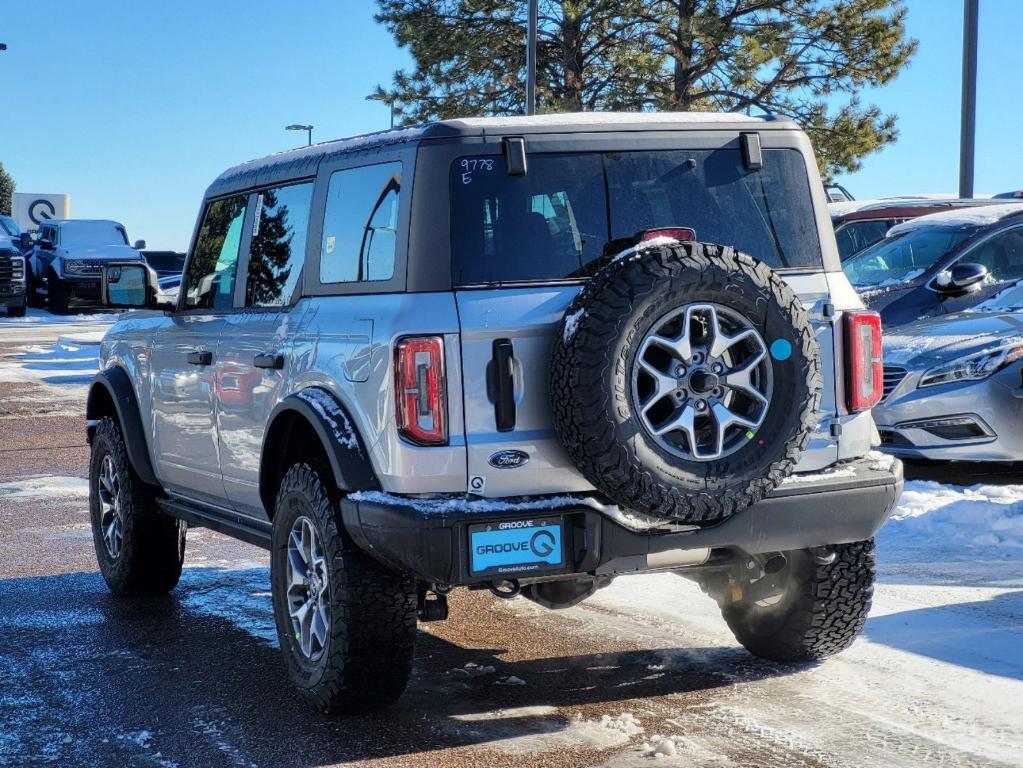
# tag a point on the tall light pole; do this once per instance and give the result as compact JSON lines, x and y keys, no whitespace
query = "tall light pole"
{"x":531,"y":59}
{"x":299,"y":127}
{"x":968,"y":126}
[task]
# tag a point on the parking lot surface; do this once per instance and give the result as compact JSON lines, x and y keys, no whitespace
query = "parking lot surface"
{"x":644,"y":673}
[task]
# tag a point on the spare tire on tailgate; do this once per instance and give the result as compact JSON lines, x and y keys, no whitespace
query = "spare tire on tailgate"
{"x":685,"y":380}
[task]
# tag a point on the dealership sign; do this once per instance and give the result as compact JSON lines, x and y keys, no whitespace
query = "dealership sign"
{"x":32,"y":209}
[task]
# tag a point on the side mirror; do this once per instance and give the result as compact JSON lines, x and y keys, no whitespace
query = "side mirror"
{"x":130,"y":285}
{"x":140,"y":245}
{"x":962,"y":278}
{"x":25,"y":241}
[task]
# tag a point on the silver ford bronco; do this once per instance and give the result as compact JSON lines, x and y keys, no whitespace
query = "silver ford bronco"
{"x":528,"y":355}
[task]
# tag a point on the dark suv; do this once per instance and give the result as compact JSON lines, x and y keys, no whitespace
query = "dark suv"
{"x":528,"y":355}
{"x":12,"y":268}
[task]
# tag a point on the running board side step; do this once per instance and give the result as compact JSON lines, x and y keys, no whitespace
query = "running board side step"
{"x":228,"y":523}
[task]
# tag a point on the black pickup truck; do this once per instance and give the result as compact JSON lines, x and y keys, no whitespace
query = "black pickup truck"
{"x":12,"y":268}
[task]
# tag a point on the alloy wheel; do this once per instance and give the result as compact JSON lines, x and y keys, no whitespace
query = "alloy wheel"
{"x":701,"y":381}
{"x":308,"y":589}
{"x":111,"y":514}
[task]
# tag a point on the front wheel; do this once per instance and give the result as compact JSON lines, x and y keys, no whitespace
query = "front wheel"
{"x":140,"y":550}
{"x":16,"y":311}
{"x":820,"y":610}
{"x":346,"y":624}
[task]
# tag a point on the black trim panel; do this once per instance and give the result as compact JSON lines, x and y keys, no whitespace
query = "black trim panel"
{"x":118,"y":386}
{"x":229,"y":524}
{"x":432,"y":545}
{"x":352,"y":468}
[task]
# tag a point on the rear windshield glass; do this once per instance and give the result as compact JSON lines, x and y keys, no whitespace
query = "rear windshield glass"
{"x":570,"y":213}
{"x":905,"y":256}
{"x":89,"y":233}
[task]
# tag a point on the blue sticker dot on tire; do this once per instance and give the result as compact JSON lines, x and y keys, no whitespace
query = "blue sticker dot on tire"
{"x":781,"y":349}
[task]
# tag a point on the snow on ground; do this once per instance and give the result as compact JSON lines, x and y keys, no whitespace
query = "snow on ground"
{"x":47,"y":487}
{"x":937,"y":672}
{"x":39,"y":325}
{"x":72,"y":359}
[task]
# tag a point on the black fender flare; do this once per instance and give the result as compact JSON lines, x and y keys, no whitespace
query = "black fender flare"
{"x":341,"y":441}
{"x":114,"y":383}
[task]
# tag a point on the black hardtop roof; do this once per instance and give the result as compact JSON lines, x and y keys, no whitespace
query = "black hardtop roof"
{"x":303,"y":162}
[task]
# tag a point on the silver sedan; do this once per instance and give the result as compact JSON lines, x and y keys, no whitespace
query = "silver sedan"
{"x":953,"y":385}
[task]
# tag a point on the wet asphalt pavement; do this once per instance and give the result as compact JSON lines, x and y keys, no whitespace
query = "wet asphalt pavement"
{"x":195,"y":679}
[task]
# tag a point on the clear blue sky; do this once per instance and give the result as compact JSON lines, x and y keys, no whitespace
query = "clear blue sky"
{"x":132,"y":108}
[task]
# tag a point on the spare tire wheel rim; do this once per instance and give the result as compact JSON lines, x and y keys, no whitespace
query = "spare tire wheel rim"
{"x":308,"y":589}
{"x":701,"y":381}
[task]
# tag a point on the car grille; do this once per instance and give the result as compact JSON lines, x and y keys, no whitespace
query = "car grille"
{"x":893,"y":376}
{"x":11,"y":268}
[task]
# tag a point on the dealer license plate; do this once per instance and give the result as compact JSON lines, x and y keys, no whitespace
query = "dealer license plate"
{"x":516,"y":546}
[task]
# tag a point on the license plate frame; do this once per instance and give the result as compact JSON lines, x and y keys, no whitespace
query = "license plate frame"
{"x":523,"y":547}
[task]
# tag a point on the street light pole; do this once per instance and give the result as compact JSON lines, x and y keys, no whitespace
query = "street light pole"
{"x":968,"y":126}
{"x":531,"y":59}
{"x":300,"y":127}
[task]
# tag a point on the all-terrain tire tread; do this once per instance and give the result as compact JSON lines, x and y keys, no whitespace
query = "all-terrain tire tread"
{"x":824,"y":615}
{"x":373,"y":612}
{"x":582,"y":360}
{"x":153,"y":548}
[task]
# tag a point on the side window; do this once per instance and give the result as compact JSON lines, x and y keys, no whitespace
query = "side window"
{"x":857,"y":235}
{"x":1002,"y":255}
{"x":360,"y":224}
{"x":277,"y":251}
{"x":209,"y":280}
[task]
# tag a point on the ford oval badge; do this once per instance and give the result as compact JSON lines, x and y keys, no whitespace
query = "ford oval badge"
{"x":508,"y":459}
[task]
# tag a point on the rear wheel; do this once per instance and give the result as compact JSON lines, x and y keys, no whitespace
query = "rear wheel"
{"x":140,"y":550}
{"x":347,"y":625}
{"x":820,"y":610}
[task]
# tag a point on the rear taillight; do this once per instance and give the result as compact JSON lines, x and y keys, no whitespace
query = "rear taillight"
{"x":420,"y":383}
{"x":683,"y":234}
{"x":864,"y":367}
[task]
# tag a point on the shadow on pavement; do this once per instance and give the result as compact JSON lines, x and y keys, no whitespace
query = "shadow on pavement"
{"x":985,"y":635}
{"x":90,"y":679}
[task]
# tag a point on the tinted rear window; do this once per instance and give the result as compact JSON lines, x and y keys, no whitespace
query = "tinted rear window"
{"x":559,"y":220}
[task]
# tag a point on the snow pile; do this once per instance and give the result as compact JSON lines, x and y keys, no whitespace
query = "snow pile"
{"x":619,"y":728}
{"x":73,"y":359}
{"x":980,"y":519}
{"x":51,"y":487}
{"x":571,"y":324}
{"x":325,"y":405}
{"x":451,"y":504}
{"x":653,"y":242}
{"x":472,"y":670}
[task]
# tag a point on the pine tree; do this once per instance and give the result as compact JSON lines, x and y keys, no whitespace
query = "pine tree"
{"x":808,"y":59}
{"x":6,"y":192}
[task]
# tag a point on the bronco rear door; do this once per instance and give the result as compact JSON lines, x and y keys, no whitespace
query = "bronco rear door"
{"x":523,"y":244}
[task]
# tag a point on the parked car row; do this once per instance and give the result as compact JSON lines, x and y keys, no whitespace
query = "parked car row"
{"x":947,"y":280}
{"x":61,"y":264}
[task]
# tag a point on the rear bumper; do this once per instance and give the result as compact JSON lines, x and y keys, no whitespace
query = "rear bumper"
{"x":430,"y":539}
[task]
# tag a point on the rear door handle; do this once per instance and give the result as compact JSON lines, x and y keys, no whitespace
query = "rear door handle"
{"x":501,"y":385}
{"x":200,"y":357}
{"x":268,"y":360}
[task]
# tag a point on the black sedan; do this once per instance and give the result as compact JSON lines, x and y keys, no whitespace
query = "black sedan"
{"x":942,"y":263}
